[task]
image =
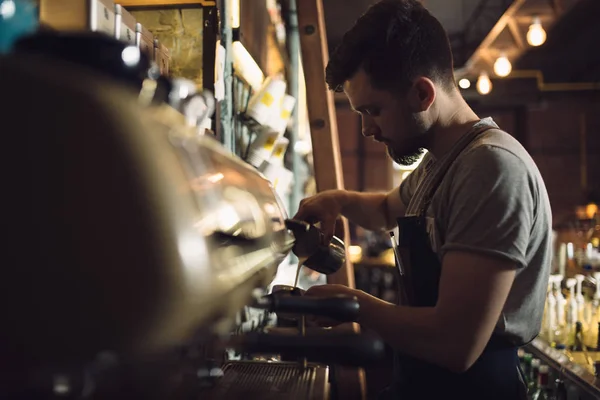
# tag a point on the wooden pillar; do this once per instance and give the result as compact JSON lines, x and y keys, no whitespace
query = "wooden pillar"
{"x":350,"y":382}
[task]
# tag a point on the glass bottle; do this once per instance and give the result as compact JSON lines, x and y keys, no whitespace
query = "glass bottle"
{"x":561,"y":390}
{"x":579,"y":339}
{"x":527,"y":358}
{"x":543,"y":391}
{"x":533,"y":377}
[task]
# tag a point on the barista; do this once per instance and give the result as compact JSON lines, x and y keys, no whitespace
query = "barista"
{"x":474,"y":218}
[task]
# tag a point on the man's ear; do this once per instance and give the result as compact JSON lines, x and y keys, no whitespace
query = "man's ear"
{"x":421,"y":94}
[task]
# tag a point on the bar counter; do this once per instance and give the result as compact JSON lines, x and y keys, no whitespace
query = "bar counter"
{"x":570,"y":366}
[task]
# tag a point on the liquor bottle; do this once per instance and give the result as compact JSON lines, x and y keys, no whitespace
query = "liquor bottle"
{"x":561,"y":390}
{"x":527,"y":358}
{"x":533,"y":378}
{"x":579,"y":340}
{"x":571,"y":313}
{"x":561,"y":332}
{"x":544,"y":391}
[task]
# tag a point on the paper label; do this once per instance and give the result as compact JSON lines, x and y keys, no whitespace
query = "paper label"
{"x":127,"y":34}
{"x":267,"y":99}
{"x":105,"y":19}
{"x":269,"y":143}
{"x":220,"y":72}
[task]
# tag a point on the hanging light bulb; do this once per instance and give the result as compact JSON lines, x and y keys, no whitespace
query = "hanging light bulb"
{"x":464,"y":83}
{"x":536,"y":35}
{"x":484,"y":84}
{"x":502,"y":66}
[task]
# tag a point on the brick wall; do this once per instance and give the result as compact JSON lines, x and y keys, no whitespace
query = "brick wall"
{"x":551,"y":132}
{"x":180,"y":30}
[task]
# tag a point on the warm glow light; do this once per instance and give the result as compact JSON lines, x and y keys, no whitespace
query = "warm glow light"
{"x":234,"y":6}
{"x":355,"y":253}
{"x":131,"y":56}
{"x":502,"y":66}
{"x":591,"y":210}
{"x":464,"y":83}
{"x":484,"y":84}
{"x":536,"y":35}
{"x":246,"y":67}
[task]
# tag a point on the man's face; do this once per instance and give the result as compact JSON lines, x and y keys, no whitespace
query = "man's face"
{"x":388,"y":119}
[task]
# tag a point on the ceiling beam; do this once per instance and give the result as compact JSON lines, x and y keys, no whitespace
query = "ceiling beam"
{"x":516,"y":34}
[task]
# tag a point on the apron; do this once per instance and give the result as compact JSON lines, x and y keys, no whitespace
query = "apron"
{"x":495,"y":375}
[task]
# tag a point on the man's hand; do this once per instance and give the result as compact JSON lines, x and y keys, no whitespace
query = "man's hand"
{"x":325,"y":208}
{"x":326,"y":291}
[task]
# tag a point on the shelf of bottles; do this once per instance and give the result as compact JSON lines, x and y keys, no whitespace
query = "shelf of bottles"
{"x":569,"y":339}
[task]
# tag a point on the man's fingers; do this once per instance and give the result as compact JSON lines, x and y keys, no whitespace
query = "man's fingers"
{"x":328,"y":228}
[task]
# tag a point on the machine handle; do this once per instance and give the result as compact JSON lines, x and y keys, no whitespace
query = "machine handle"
{"x":340,"y":349}
{"x":340,"y":308}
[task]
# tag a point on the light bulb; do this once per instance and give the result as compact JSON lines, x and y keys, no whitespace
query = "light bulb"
{"x":484,"y":84}
{"x":502,"y":66}
{"x":464,"y":83}
{"x":536,"y":35}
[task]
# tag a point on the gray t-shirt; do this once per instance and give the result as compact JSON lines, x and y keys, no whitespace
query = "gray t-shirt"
{"x":493,"y":201}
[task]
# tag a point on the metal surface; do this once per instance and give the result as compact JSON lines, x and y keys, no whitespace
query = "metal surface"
{"x":294,"y":50}
{"x":271,"y":381}
{"x":132,"y":232}
{"x":226,"y":104}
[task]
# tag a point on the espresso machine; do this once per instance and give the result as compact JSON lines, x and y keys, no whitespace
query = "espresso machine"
{"x":136,"y":243}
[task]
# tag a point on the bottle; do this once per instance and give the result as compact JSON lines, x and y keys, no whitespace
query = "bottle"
{"x":551,"y":318}
{"x":560,"y":334}
{"x":527,"y":358}
{"x":592,"y":334}
{"x":533,"y":378}
{"x":543,"y":391}
{"x":571,"y":313}
{"x":579,"y":339}
{"x":561,"y":390}
{"x":580,"y":301}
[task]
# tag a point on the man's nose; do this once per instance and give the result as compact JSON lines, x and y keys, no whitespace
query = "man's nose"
{"x":369,"y":127}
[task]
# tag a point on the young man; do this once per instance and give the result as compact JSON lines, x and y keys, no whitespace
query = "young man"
{"x":474,"y":218}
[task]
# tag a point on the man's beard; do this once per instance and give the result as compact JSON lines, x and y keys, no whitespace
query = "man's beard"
{"x":406,"y":159}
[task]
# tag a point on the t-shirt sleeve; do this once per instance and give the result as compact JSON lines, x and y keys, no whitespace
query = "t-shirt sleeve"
{"x":491,"y":205}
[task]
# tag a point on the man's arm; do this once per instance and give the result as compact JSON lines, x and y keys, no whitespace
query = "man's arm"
{"x":473,"y":290}
{"x":491,"y":208}
{"x":373,"y":211}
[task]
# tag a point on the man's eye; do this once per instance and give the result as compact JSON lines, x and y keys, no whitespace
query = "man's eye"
{"x":373,"y":112}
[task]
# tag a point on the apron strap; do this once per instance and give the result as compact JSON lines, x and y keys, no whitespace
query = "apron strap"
{"x":420,"y":201}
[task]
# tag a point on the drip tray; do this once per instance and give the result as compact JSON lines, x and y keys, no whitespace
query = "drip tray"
{"x":270,"y":381}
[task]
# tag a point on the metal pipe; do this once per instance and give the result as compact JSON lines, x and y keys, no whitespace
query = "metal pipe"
{"x":226,"y":105}
{"x":294,"y":49}
{"x":293,"y":39}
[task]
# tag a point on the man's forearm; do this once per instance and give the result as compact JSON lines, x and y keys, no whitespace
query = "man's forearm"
{"x":369,"y":210}
{"x":415,"y":331}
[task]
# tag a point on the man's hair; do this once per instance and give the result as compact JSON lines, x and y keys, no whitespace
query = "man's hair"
{"x":395,"y":41}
